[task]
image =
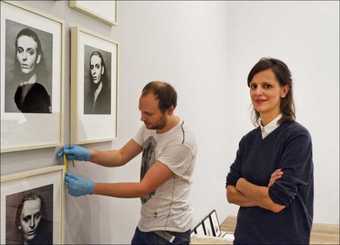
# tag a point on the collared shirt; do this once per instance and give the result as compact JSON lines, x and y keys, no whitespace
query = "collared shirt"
{"x":270,"y":127}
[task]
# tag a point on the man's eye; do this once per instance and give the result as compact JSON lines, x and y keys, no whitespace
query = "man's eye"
{"x":91,"y":67}
{"x":20,"y":50}
{"x":97,"y":66}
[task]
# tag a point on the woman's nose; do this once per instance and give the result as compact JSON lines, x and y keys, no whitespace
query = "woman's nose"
{"x":32,"y":223}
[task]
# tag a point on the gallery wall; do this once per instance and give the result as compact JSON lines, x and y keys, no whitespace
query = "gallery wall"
{"x":205,"y":49}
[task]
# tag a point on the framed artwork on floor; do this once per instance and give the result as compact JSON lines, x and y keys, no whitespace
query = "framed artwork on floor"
{"x":32,"y":207}
{"x":207,"y":226}
{"x":199,"y":230}
{"x":215,"y":223}
{"x":94,"y":83}
{"x":32,"y":48}
{"x":105,"y":11}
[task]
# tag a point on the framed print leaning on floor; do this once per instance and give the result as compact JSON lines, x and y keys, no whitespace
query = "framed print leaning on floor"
{"x":94,"y":80}
{"x":31,"y":79}
{"x":105,"y":11}
{"x":32,"y":207}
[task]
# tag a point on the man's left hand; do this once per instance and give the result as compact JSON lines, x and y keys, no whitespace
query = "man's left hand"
{"x":77,"y":185}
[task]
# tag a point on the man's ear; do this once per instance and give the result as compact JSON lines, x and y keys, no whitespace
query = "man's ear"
{"x":38,"y":59}
{"x":171,"y":110}
{"x":102,"y":70}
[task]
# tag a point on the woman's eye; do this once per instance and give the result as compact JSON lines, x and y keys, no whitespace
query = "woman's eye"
{"x":253,"y":86}
{"x":267,"y":86}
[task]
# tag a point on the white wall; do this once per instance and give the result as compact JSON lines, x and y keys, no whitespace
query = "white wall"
{"x":205,"y":49}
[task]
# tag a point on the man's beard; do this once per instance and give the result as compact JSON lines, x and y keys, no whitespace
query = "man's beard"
{"x":161,"y":124}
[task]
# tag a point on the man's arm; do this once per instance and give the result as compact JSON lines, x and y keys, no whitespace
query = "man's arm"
{"x":236,"y":197}
{"x":154,"y":177}
{"x":114,"y":158}
{"x":259,"y":194}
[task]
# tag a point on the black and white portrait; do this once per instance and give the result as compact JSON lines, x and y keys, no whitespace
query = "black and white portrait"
{"x":97,"y":81}
{"x":29,"y":216}
{"x":28,"y":69}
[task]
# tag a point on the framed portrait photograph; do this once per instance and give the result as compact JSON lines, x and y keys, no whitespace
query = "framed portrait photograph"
{"x":105,"y":11}
{"x":207,"y":226}
{"x":31,"y":79}
{"x":94,"y":82}
{"x":32,"y":207}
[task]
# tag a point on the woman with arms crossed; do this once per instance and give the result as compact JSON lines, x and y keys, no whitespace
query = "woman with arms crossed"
{"x":271,"y":178}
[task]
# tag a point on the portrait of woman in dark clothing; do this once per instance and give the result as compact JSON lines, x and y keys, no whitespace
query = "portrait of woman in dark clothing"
{"x":97,"y":92}
{"x":29,"y":70}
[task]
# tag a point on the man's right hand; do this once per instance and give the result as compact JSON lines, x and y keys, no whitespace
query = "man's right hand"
{"x":75,"y":152}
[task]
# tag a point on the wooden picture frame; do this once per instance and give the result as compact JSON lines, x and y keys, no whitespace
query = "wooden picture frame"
{"x":37,"y":196}
{"x":31,"y":82}
{"x":94,"y":87}
{"x":101,"y":10}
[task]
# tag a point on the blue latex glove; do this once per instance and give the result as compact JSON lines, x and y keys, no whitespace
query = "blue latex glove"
{"x":75,"y":152}
{"x":77,"y":185}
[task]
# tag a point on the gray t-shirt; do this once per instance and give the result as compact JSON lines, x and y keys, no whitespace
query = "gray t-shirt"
{"x":168,"y":208}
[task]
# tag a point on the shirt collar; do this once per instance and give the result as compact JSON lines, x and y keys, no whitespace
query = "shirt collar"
{"x":270,"y":127}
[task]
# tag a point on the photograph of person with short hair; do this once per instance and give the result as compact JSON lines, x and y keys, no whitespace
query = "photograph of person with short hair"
{"x":97,"y":81}
{"x":28,"y":70}
{"x":29,"y":217}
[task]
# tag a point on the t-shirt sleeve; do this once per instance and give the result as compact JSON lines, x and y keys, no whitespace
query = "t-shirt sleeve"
{"x":179,"y":159}
{"x":235,"y":168}
{"x":295,"y":163}
{"x":139,"y":136}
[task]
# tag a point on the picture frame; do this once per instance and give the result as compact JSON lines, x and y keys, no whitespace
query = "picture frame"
{"x":207,"y":226}
{"x":199,"y":229}
{"x":32,"y":74}
{"x":94,"y":87}
{"x":33,"y":197}
{"x":215,"y":223}
{"x":105,"y":11}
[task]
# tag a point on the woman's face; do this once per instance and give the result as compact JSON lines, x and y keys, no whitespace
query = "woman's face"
{"x":27,"y":54}
{"x":96,"y":69}
{"x":30,"y":218}
{"x":266,"y":93}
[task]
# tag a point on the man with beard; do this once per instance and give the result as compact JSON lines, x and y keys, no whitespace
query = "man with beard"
{"x":169,"y":153}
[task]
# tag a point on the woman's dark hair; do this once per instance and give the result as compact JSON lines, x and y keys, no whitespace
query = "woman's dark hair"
{"x":27,"y":197}
{"x":40,"y":68}
{"x":103,"y":76}
{"x":164,"y":92}
{"x":283,"y":76}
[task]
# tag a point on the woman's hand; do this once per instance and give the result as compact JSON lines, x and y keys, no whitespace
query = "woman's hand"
{"x":277,"y":174}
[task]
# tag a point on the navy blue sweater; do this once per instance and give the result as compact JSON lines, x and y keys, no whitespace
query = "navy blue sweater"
{"x":288,"y":147}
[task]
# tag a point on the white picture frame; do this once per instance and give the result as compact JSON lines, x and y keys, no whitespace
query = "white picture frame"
{"x":105,"y":11}
{"x":42,"y":189}
{"x":93,"y":113}
{"x":199,"y":230}
{"x":31,"y":93}
{"x":215,"y":223}
{"x":207,"y":227}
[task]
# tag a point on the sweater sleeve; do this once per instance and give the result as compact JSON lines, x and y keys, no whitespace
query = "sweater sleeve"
{"x":235,"y":168}
{"x":296,"y":164}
